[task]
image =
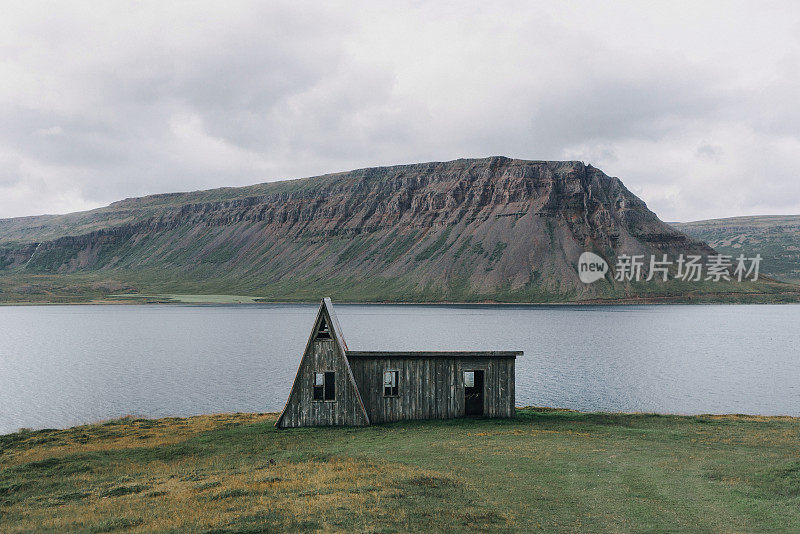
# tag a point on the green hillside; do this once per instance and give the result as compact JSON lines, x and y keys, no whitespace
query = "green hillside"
{"x":775,"y":237}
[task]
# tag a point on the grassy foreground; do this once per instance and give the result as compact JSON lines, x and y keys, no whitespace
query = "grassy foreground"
{"x":544,"y":470}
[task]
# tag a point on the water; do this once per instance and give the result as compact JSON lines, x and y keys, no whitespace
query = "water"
{"x":66,"y":365}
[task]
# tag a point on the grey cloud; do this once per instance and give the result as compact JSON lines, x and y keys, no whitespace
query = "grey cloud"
{"x":103,"y":101}
{"x":713,"y":152}
{"x":610,"y":109}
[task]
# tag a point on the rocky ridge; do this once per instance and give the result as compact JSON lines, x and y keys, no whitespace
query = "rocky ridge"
{"x":466,"y":230}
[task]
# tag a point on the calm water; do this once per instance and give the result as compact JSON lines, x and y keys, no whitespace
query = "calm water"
{"x":65,"y":365}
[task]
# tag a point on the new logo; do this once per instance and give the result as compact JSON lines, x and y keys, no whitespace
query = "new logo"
{"x":591,"y":267}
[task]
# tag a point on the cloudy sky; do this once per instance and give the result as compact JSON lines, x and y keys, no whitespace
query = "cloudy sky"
{"x":695,"y":107}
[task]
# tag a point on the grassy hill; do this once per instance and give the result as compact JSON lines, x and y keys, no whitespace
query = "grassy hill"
{"x":776,"y":238}
{"x":545,"y":470}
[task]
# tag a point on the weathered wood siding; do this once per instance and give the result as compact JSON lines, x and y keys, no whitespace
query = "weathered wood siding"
{"x":302,"y":410}
{"x":432,"y":387}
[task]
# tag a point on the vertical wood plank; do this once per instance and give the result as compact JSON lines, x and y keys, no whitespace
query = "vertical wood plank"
{"x":429,"y":387}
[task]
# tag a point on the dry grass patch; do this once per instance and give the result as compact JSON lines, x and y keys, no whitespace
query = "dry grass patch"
{"x":28,"y":446}
{"x":218,"y":473}
{"x":333,"y":495}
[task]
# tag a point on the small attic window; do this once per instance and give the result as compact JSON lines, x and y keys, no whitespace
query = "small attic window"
{"x":323,"y":332}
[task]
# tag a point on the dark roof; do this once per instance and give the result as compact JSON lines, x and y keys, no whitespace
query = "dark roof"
{"x":434,"y":354}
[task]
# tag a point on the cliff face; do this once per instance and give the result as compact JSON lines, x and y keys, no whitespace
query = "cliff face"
{"x":495,"y":228}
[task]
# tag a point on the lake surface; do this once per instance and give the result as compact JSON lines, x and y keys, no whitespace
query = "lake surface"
{"x":65,"y":365}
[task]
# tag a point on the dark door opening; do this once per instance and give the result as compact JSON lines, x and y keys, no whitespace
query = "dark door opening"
{"x":473,"y":392}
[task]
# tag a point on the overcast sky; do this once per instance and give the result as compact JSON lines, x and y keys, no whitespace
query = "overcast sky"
{"x":693,"y":105}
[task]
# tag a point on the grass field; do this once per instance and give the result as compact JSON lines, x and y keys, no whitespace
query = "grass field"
{"x":544,"y":471}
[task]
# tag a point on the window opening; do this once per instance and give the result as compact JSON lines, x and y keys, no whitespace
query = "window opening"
{"x":391,"y":387}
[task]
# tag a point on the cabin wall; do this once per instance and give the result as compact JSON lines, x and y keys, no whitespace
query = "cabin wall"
{"x":432,"y":388}
{"x":302,"y":410}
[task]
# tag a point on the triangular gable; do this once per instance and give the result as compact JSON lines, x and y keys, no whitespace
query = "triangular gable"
{"x":323,"y":331}
{"x":327,"y":316}
{"x":334,"y":324}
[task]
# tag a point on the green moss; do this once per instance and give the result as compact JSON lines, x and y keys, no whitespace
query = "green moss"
{"x":395,"y":246}
{"x":360,"y":244}
{"x":124,"y":490}
{"x":436,"y":248}
{"x":50,"y":260}
{"x":496,"y":254}
{"x":221,"y":254}
{"x":465,"y":243}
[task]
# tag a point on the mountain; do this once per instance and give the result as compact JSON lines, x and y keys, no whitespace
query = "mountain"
{"x":493,"y":229}
{"x":775,"y":237}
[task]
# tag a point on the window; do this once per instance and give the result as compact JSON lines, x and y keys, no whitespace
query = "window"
{"x":323,"y":332}
{"x":390,"y":383}
{"x":325,"y":386}
{"x":469,"y":379}
{"x":319,"y":386}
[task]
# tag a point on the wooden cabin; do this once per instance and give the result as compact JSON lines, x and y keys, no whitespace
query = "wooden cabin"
{"x":338,"y":386}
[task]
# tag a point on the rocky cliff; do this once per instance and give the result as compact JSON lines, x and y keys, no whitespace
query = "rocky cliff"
{"x":466,"y":230}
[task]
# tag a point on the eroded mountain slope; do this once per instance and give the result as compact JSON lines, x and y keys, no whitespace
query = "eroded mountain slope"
{"x":466,"y":230}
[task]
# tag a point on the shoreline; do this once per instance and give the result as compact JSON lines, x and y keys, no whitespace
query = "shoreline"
{"x":519,"y":409}
{"x":250,"y":300}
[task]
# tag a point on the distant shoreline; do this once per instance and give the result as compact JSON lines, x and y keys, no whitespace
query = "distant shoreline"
{"x":228,"y":300}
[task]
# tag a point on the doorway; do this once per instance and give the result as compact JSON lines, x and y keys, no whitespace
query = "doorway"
{"x":473,"y":392}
